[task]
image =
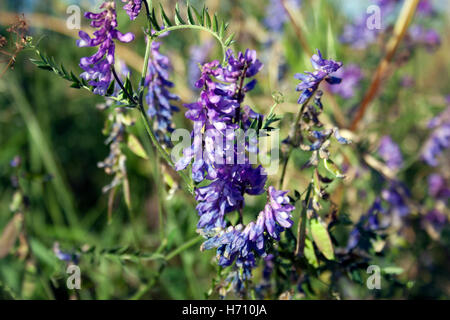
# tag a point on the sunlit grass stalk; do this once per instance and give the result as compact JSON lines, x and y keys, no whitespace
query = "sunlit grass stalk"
{"x":406,"y":15}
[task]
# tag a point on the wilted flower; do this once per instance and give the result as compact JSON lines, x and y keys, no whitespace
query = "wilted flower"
{"x":97,"y":68}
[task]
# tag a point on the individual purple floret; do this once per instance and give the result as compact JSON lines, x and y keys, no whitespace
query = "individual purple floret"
{"x":425,"y":8}
{"x":351,"y":75}
{"x":439,"y":139}
{"x":311,"y":80}
{"x":133,"y":7}
{"x":97,"y":68}
{"x":159,"y":97}
{"x":276,"y":15}
{"x":390,"y":152}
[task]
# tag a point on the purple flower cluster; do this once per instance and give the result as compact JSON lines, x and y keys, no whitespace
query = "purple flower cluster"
{"x":351,"y":75}
{"x":159,"y":96}
{"x":133,"y":8}
{"x":219,"y":110}
{"x":311,"y":80}
{"x":97,"y":68}
{"x":390,"y":152}
{"x":439,"y":139}
{"x":240,"y":243}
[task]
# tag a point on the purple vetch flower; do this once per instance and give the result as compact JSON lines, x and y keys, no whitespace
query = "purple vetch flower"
{"x":276,"y":15}
{"x":438,"y":187}
{"x":390,"y":152}
{"x":277,"y":212}
{"x":226,"y":193}
{"x":218,"y":110}
{"x":351,"y":75}
{"x":311,"y":80}
{"x":159,"y":96}
{"x":439,"y":139}
{"x":239,"y":244}
{"x":97,"y":68}
{"x":133,"y":7}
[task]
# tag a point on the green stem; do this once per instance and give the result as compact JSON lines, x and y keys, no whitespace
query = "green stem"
{"x":195,"y":27}
{"x":292,"y":139}
{"x":161,"y":150}
{"x":301,"y":228}
{"x":183,"y":247}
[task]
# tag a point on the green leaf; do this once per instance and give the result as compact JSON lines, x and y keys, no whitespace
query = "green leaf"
{"x":309,"y":253}
{"x":321,"y":238}
{"x":154,"y":21}
{"x":332,"y":168}
{"x":136,"y":147}
{"x":229,"y":40}
{"x":207,"y":18}
{"x":164,"y":17}
{"x":178,"y":19}
{"x":191,"y":19}
{"x":216,"y":23}
{"x":198,"y":16}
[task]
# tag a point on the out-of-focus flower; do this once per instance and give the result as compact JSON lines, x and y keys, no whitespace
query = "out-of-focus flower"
{"x":133,"y":7}
{"x":439,"y":139}
{"x":276,"y":15}
{"x":97,"y":68}
{"x":390,"y":153}
{"x":159,"y":96}
{"x":407,"y":81}
{"x":396,"y":196}
{"x":351,"y":75}
{"x":311,"y":80}
{"x":197,"y":56}
{"x":437,"y":187}
{"x":65,"y":256}
{"x":429,"y":38}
